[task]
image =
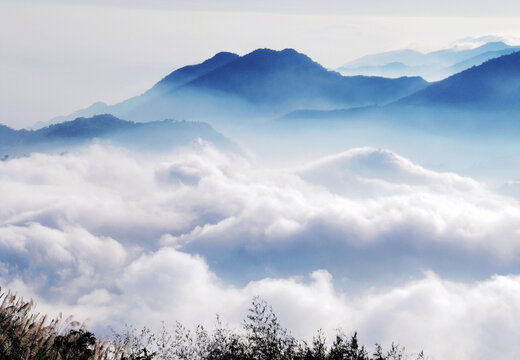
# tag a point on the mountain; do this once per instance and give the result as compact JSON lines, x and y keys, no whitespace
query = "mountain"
{"x":169,"y":83}
{"x":6,"y":132}
{"x":10,"y":137}
{"x":259,"y":83}
{"x":435,"y":65}
{"x":481,"y":101}
{"x":83,"y":128}
{"x":451,"y":56}
{"x":155,"y":135}
{"x":480,"y":59}
{"x":391,"y":70}
{"x":492,"y":85}
{"x":407,"y":56}
{"x":94,"y":109}
{"x":276,"y":77}
{"x":189,"y":73}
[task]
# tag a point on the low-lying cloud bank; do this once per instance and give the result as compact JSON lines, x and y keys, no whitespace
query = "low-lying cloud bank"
{"x":449,"y":320}
{"x":405,"y":253}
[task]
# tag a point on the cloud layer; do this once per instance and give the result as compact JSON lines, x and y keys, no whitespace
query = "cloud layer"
{"x":363,"y":240}
{"x":449,"y":320}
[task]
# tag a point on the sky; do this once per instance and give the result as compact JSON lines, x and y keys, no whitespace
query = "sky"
{"x":59,"y":56}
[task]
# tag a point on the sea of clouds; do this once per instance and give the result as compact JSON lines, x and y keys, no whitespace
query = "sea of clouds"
{"x":362,"y":240}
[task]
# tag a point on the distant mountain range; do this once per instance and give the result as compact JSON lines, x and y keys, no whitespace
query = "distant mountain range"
{"x":269,"y":77}
{"x":273,"y":84}
{"x":432,"y":66}
{"x":482,"y":98}
{"x":261,"y":82}
{"x":492,"y":85}
{"x":155,"y":135}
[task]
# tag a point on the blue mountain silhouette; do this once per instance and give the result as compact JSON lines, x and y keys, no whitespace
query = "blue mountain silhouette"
{"x":434,"y":65}
{"x":169,"y":83}
{"x":261,"y":81}
{"x":273,"y":77}
{"x":481,"y":58}
{"x":188,"y":73}
{"x":492,"y":85}
{"x":482,"y":100}
{"x":151,"y":135}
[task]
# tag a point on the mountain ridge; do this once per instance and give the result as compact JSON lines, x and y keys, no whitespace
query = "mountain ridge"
{"x":160,"y":135}
{"x":435,"y":65}
{"x":302,"y":78}
{"x":188,"y":73}
{"x":269,"y":80}
{"x":493,"y":84}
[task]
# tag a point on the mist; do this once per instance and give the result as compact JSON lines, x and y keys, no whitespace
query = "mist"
{"x":109,"y":233}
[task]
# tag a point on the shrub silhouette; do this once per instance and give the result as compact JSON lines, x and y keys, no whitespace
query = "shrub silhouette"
{"x":25,"y":335}
{"x":76,"y":344}
{"x":262,"y":338}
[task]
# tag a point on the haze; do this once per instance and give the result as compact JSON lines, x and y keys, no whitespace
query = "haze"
{"x":60,"y":56}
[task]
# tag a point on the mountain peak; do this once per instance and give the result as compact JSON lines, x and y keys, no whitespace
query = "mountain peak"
{"x":494,"y":46}
{"x":268,"y":60}
{"x":86,"y":127}
{"x":287,"y":52}
{"x":221,"y":57}
{"x":268,"y":81}
{"x":188,"y":73}
{"x":154,"y":135}
{"x":289,"y":78}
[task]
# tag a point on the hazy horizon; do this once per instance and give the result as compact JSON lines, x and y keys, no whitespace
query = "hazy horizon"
{"x":64,"y":56}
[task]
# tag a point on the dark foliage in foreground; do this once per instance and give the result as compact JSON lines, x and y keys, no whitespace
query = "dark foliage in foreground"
{"x":25,"y":334}
{"x":262,"y":338}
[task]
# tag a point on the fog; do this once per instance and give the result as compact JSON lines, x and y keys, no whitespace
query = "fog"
{"x":363,"y":239}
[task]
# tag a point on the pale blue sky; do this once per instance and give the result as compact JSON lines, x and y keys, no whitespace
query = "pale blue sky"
{"x":58,"y":56}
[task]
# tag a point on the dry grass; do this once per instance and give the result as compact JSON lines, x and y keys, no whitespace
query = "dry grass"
{"x":26,"y":334}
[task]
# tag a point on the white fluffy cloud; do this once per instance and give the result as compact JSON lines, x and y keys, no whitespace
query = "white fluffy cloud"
{"x":199,"y":199}
{"x":449,"y":320}
{"x":115,"y":236}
